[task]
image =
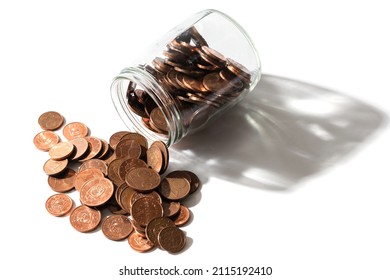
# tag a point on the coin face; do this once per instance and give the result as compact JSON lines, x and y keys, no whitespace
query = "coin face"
{"x":85,"y":176}
{"x":61,"y":150}
{"x":50,"y":120}
{"x":171,"y":208}
{"x":45,"y":140}
{"x":128,"y":149}
{"x":146,"y":209}
{"x":75,"y":130}
{"x":155,"y":158}
{"x":59,"y":204}
{"x":172,"y":239}
{"x":114,"y":139}
{"x":158,"y":119}
{"x":84,"y":218}
{"x":96,"y":192}
{"x":139,"y":243}
{"x":55,"y":167}
{"x":128,"y":165}
{"x":117,"y":227}
{"x":96,"y":147}
{"x":63,"y":183}
{"x":143,"y":179}
{"x":96,"y":164}
{"x":183,"y":217}
{"x":155,"y":226}
{"x":81,"y":145}
{"x":174,"y":188}
{"x":164,"y":152}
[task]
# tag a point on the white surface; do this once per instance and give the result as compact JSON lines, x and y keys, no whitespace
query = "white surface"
{"x":313,"y":206}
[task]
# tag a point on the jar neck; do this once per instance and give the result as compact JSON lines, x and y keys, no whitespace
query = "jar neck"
{"x":161,"y":97}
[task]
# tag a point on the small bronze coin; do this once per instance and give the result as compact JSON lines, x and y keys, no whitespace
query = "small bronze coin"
{"x":116,"y":137}
{"x":155,"y":226}
{"x":85,"y":176}
{"x":117,"y":227}
{"x":194,"y":181}
{"x":140,"y":139}
{"x":139,"y":243}
{"x":214,"y":82}
{"x":172,"y":239}
{"x":96,"y":164}
{"x":84,"y":218}
{"x":171,"y":208}
{"x":50,"y":120}
{"x":216,"y":57}
{"x":59,"y":204}
{"x":61,"y":150}
{"x":96,"y":147}
{"x":183,"y":217}
{"x":128,"y":149}
{"x":137,"y":195}
{"x":75,"y":130}
{"x":64,"y":182}
{"x":45,"y":140}
{"x":175,"y":188}
{"x":96,"y":192}
{"x":81,"y":147}
{"x":143,"y":179}
{"x":124,"y":198}
{"x":158,"y":119}
{"x":165,"y":154}
{"x":154,"y":158}
{"x":145,"y":209}
{"x":113,"y":171}
{"x":54,"y":167}
{"x":130,"y":164}
{"x":105,"y":149}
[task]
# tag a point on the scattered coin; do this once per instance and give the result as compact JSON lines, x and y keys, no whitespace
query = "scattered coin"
{"x":64,"y":182}
{"x":81,"y":146}
{"x":50,"y":120}
{"x":139,"y":243}
{"x":117,"y":227}
{"x":45,"y":140}
{"x":146,"y":209}
{"x":154,"y":228}
{"x":96,"y":192}
{"x":61,"y":150}
{"x":59,"y":204}
{"x":172,"y":239}
{"x":84,"y":218}
{"x":55,"y":167}
{"x":143,"y":179}
{"x":74,"y":130}
{"x":183,"y":217}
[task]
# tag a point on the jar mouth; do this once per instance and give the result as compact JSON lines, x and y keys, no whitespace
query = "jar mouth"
{"x":139,"y":76}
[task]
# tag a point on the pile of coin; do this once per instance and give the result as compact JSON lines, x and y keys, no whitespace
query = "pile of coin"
{"x":200,"y":79}
{"x":123,"y":175}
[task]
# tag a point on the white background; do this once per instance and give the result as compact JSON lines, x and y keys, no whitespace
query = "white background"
{"x":326,"y":222}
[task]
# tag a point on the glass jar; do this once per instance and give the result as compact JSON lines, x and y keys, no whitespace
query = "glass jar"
{"x":191,"y":75}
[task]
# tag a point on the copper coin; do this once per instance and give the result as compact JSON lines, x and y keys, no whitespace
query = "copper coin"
{"x":135,"y":105}
{"x":239,"y":70}
{"x":158,"y":119}
{"x":165,"y":153}
{"x":50,"y":120}
{"x":81,"y":146}
{"x":183,"y":217}
{"x":61,"y":150}
{"x":130,"y":164}
{"x":199,"y":40}
{"x":155,"y":158}
{"x":105,"y":149}
{"x":143,"y":179}
{"x":114,"y":139}
{"x":96,"y":192}
{"x":63,"y":183}
{"x":216,"y":57}
{"x":171,"y":208}
{"x":117,"y":227}
{"x":96,"y":147}
{"x":59,"y":204}
{"x":140,"y":139}
{"x":192,"y":84}
{"x":174,"y":188}
{"x":137,"y":195}
{"x":84,"y":218}
{"x":125,"y":198}
{"x":172,"y":239}
{"x":155,"y":226}
{"x":45,"y":140}
{"x":54,"y":167}
{"x":213,"y":82}
{"x":194,"y":181}
{"x":113,"y":171}
{"x":128,"y":149}
{"x":85,"y":176}
{"x":74,"y":130}
{"x":145,"y":209}
{"x":95,"y":163}
{"x":139,"y":243}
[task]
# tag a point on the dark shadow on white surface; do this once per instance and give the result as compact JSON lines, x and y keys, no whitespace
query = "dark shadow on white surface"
{"x":281,"y":133}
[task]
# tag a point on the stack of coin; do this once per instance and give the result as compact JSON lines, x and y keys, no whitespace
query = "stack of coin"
{"x":124,"y":175}
{"x":199,"y":78}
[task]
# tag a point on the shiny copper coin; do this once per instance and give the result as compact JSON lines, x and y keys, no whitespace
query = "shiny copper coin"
{"x":165,"y":154}
{"x":193,"y":84}
{"x":239,"y":70}
{"x":113,"y":171}
{"x":116,"y":137}
{"x":128,"y":149}
{"x":212,"y":55}
{"x":174,"y":188}
{"x":155,"y":158}
{"x":96,"y":192}
{"x":84,"y":218}
{"x":128,"y":165}
{"x":74,"y":130}
{"x":143,"y":179}
{"x":45,"y":140}
{"x":105,"y":149}
{"x":136,"y":106}
{"x":96,"y":164}
{"x":125,"y":198}
{"x":213,"y":82}
{"x":96,"y":147}
{"x":54,"y":167}
{"x":81,"y":148}
{"x":183,"y":217}
{"x":145,"y":209}
{"x":199,"y":40}
{"x":172,"y":239}
{"x":137,"y":195}
{"x":158,"y":119}
{"x":85,"y":176}
{"x":140,"y":139}
{"x":59,"y":204}
{"x":139,"y":243}
{"x":171,"y":208}
{"x":117,"y":227}
{"x":50,"y":120}
{"x":61,"y":150}
{"x":64,"y":182}
{"x":154,"y":228}
{"x":194,"y":181}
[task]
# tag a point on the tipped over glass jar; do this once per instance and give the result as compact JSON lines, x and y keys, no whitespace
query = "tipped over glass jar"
{"x":190,"y":76}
